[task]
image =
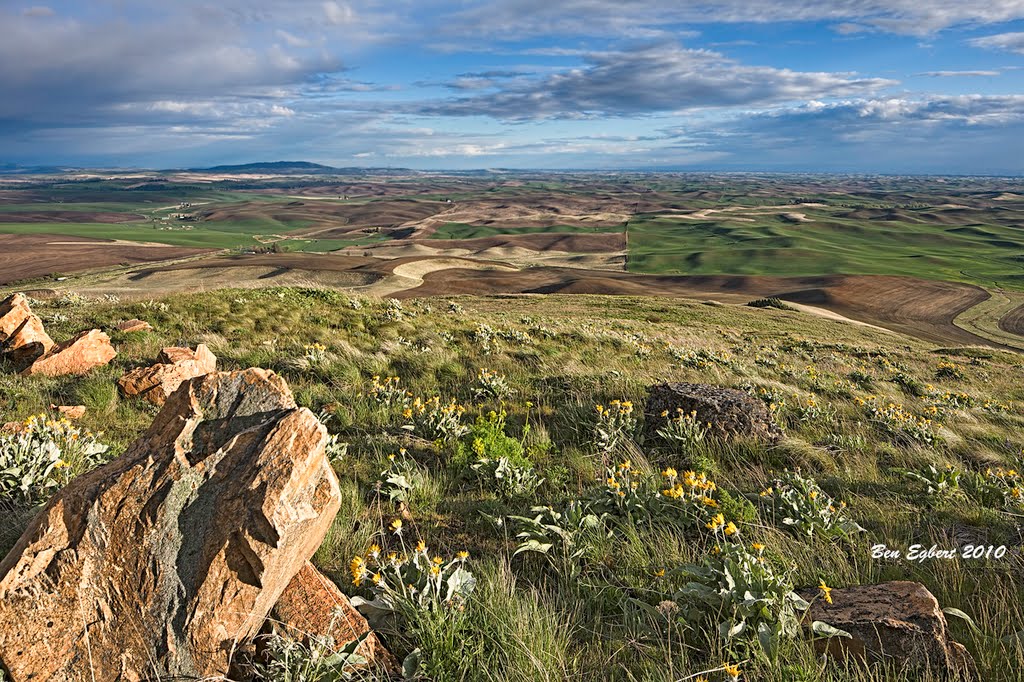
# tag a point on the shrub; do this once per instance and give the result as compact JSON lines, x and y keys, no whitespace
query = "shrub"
{"x":317,"y":659}
{"x":800,"y":505}
{"x":42,"y":457}
{"x":770,"y":302}
{"x":433,"y":420}
{"x":741,"y":596}
{"x":615,"y":424}
{"x":492,"y":385}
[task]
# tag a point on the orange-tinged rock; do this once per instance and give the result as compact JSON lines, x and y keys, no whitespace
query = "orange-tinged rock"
{"x":173,"y":366}
{"x":135,"y":326}
{"x":157,"y":564}
{"x":313,"y":605}
{"x":77,"y":356}
{"x":22,"y":337}
{"x":70,"y":411}
{"x":894,"y":621}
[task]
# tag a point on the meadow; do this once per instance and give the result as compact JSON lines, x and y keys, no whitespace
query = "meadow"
{"x":510,"y":428}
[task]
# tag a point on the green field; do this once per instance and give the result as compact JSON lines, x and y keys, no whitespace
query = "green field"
{"x":980,"y":253}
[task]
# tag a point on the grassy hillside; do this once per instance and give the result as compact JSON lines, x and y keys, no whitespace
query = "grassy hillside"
{"x":526,"y":374}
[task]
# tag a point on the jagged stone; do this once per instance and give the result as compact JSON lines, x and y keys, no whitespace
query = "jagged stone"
{"x":85,"y":351}
{"x":22,"y":337}
{"x":728,"y":413}
{"x":155,"y":565}
{"x":898,"y":622}
{"x":313,"y":605}
{"x":173,"y":366}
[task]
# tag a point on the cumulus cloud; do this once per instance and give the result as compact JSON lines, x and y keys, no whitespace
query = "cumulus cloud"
{"x":657,"y":79}
{"x":1012,"y":42}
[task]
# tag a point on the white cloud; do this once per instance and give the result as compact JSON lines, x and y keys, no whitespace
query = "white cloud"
{"x":1012,"y":42}
{"x":338,"y":13}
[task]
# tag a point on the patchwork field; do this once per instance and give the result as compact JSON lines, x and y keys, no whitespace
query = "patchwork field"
{"x":938,"y":257}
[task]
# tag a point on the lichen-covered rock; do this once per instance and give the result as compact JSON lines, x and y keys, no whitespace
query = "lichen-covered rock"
{"x":156,"y":565}
{"x":898,"y":622}
{"x":77,"y":356}
{"x":313,"y":605}
{"x":173,"y":366}
{"x":730,"y":413}
{"x":22,"y":337}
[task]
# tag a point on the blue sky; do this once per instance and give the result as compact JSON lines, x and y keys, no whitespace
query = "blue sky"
{"x":893,"y":86}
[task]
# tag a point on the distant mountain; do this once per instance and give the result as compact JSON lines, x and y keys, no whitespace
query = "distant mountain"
{"x":273,"y":167}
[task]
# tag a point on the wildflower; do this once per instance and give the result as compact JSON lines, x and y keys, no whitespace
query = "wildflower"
{"x":377,"y":578}
{"x":463,"y":555}
{"x":826,"y":591}
{"x":731,"y":529}
{"x":357,"y":567}
{"x":716,"y":522}
{"x":396,"y":526}
{"x":435,"y":570}
{"x":758,"y":547}
{"x":669,"y":473}
{"x":421,"y":546}
{"x":373,"y":551}
{"x":732,"y":670}
{"x":660,"y":573}
{"x":438,"y":560}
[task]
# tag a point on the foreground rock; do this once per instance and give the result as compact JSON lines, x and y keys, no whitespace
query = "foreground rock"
{"x":729,"y":412}
{"x":155,"y":565}
{"x":22,"y":337}
{"x":173,"y":366}
{"x":313,"y":605}
{"x":134,"y":325}
{"x":77,"y":356}
{"x":898,"y":622}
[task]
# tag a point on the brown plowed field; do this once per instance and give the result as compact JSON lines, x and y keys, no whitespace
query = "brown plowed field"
{"x":35,"y":255}
{"x":328,"y":218}
{"x":922,"y":308}
{"x":1013,"y":321}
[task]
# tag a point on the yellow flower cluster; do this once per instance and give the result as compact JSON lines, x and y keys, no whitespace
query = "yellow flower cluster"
{"x":691,"y":485}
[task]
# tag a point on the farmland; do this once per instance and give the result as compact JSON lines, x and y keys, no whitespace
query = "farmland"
{"x":937,"y":257}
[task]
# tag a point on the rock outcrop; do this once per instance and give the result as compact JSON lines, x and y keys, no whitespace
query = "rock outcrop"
{"x":76,"y":356}
{"x":157,"y":564}
{"x":730,"y":413}
{"x":898,"y":622}
{"x":134,"y":325}
{"x":22,"y":337}
{"x":173,"y":366}
{"x":313,"y":605}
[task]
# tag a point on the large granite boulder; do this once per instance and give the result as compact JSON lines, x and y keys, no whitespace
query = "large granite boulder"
{"x":729,"y":413}
{"x":897,"y":622}
{"x":22,"y":337}
{"x":313,"y":605}
{"x":173,"y":366}
{"x":159,"y":563}
{"x":85,"y":351}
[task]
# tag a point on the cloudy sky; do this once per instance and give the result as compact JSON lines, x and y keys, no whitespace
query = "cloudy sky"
{"x":897,"y":86}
